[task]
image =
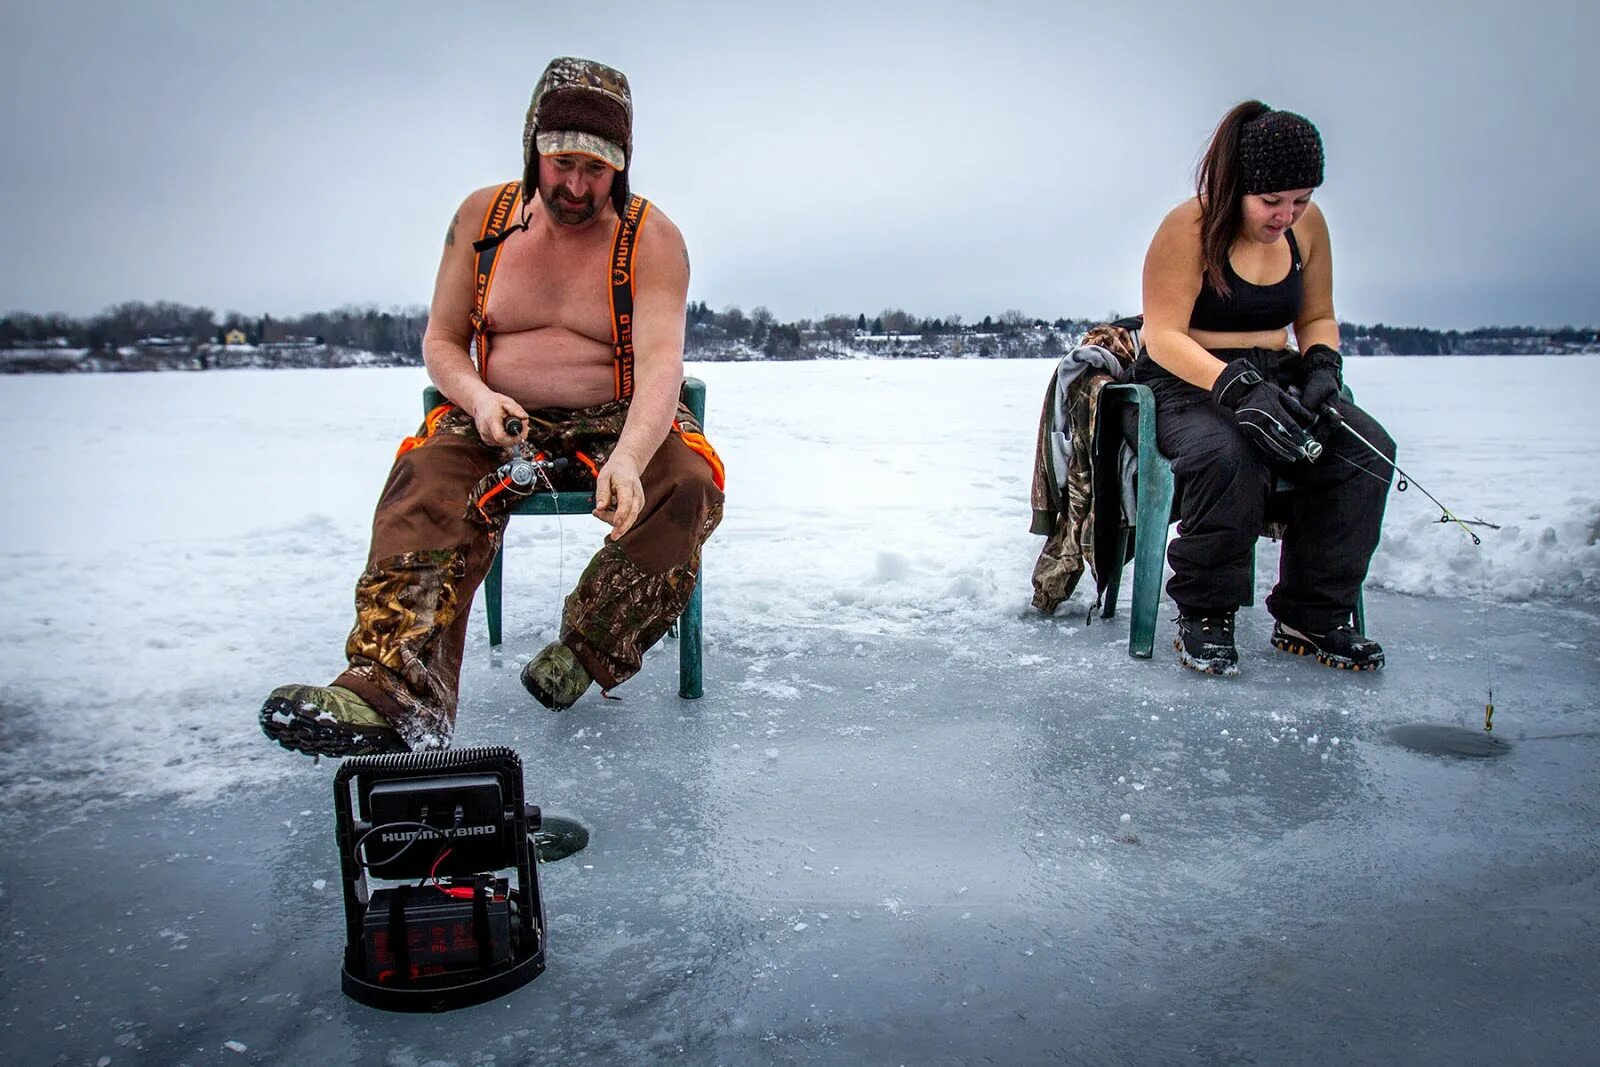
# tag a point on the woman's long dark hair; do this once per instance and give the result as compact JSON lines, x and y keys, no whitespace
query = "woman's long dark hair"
{"x":1219,"y":186}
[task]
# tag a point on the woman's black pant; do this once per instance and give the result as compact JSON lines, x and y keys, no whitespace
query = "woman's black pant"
{"x":1223,"y":483}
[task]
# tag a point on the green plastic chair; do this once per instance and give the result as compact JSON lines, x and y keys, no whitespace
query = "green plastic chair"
{"x":687,"y":628}
{"x":1154,"y":512}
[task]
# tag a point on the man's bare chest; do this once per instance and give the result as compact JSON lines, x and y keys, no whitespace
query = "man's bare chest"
{"x":539,"y":284}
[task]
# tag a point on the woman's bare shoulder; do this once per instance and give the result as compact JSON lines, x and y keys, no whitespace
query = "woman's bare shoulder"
{"x":1311,"y":230}
{"x":1180,"y":229}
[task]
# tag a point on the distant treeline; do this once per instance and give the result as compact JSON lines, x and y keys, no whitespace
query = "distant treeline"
{"x":396,"y":330}
{"x":1486,"y":340}
{"x":138,"y":335}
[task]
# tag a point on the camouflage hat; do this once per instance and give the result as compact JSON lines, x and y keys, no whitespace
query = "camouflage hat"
{"x":580,"y":106}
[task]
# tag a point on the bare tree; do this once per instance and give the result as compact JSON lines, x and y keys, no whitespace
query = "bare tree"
{"x":838,"y":327}
{"x":897,"y":321}
{"x":734,"y":322}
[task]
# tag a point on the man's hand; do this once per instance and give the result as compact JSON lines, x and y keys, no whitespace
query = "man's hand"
{"x":618,"y":494}
{"x":490,"y":416}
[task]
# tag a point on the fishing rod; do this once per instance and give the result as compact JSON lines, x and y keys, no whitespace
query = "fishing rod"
{"x":1406,"y":480}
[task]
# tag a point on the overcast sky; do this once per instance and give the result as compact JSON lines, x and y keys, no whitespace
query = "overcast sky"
{"x":294,"y":156}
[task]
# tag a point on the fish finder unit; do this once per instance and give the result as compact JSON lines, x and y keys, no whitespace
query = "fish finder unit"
{"x":461,"y":920}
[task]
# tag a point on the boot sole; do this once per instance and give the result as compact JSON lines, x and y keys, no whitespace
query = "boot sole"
{"x":1296,"y":647}
{"x":289,"y":724}
{"x":1215,"y":667}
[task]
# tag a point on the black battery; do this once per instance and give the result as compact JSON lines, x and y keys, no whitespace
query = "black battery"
{"x":442,"y":933}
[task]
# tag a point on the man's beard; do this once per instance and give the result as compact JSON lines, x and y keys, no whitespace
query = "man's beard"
{"x":569,"y":212}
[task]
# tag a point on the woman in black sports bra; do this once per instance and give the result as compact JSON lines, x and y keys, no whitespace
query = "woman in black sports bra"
{"x":1228,"y":275}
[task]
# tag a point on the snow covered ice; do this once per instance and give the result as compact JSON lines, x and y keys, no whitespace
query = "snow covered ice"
{"x":911,"y":820}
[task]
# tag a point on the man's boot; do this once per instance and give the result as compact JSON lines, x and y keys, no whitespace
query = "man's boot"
{"x":327,"y":721}
{"x":555,"y":677}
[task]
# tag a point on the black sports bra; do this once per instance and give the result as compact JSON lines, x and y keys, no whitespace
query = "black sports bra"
{"x":1249,"y":308}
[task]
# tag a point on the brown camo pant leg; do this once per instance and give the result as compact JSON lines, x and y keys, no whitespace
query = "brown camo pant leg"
{"x":426,"y":561}
{"x":636,"y":587}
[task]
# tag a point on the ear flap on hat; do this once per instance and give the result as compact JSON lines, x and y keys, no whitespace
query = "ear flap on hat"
{"x":619,"y":190}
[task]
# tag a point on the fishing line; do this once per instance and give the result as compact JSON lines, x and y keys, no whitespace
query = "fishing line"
{"x":1446,"y":516}
{"x":561,"y":547}
{"x":1488,"y":648}
{"x":541,"y":470}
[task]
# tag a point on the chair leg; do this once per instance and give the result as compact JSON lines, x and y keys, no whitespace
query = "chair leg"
{"x":690,"y":685}
{"x":491,"y":596}
{"x":1112,"y":568}
{"x":1149,"y":551}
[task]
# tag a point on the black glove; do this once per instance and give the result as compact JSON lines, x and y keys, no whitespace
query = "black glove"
{"x":1324,"y":377}
{"x":1271,"y":419}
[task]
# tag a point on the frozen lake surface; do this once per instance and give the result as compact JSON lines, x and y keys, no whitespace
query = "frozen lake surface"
{"x":910,"y":822}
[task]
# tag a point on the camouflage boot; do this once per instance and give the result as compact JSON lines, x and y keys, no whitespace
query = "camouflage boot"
{"x":555,"y":677}
{"x":327,"y":721}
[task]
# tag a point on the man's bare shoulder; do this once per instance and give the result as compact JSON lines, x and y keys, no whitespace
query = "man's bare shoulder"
{"x":476,"y":205}
{"x":661,"y":246}
{"x":467,"y":221}
{"x":659,"y":229}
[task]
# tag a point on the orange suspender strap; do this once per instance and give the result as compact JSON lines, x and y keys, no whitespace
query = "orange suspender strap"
{"x":487,"y":246}
{"x":623,"y":242}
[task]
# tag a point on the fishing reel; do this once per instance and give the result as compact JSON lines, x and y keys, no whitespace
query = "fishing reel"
{"x":1308,"y":447}
{"x":521,"y":472}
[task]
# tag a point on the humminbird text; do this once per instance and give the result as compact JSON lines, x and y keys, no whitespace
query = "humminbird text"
{"x":462,"y":831}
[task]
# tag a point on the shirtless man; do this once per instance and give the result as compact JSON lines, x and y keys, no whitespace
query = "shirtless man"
{"x":545,"y":310}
